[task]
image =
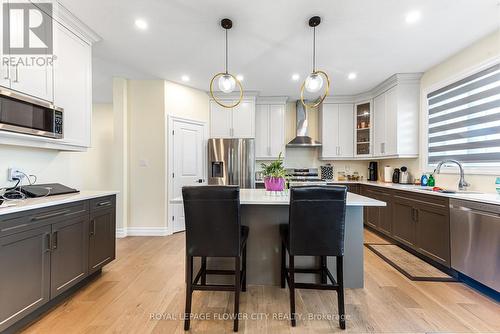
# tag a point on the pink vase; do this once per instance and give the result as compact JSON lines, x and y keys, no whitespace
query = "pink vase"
{"x":274,"y":183}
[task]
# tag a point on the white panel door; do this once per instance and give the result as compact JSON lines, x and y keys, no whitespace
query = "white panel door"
{"x":32,"y":79}
{"x":391,"y":119}
{"x":329,"y":130}
{"x":262,"y":131}
{"x":188,"y":144}
{"x":220,"y":121}
{"x":244,"y":120}
{"x":73,"y":86}
{"x":276,"y":130}
{"x":379,"y":112}
{"x":346,"y":130}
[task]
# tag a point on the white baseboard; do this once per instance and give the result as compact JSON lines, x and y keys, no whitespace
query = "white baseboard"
{"x":121,"y":233}
{"x":141,"y":232}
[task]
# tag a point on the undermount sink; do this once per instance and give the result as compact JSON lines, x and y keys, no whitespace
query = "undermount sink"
{"x":445,"y":191}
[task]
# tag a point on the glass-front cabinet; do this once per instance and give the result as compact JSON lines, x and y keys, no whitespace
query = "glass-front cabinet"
{"x":363,"y":124}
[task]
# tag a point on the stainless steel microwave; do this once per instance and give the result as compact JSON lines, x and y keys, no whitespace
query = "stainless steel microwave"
{"x":25,"y":114}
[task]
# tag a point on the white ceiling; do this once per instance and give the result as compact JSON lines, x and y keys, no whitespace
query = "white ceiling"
{"x":271,"y":40}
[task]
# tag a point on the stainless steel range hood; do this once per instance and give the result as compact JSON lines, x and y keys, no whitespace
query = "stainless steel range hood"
{"x":302,"y":139}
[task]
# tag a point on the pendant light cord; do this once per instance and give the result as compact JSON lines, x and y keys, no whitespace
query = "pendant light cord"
{"x":226,"y":51}
{"x":314,"y":49}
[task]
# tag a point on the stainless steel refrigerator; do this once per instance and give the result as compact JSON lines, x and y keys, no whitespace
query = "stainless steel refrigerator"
{"x":231,"y":162}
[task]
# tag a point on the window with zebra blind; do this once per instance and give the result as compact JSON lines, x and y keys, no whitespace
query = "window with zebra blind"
{"x":464,"y":120}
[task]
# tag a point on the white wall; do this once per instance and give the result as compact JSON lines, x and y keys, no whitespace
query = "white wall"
{"x":141,"y":108}
{"x":483,"y":50}
{"x":146,"y":135}
{"x":82,"y":170}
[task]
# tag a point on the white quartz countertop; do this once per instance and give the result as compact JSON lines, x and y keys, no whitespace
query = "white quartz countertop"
{"x":490,"y":198}
{"x":42,"y":202}
{"x":260,"y":197}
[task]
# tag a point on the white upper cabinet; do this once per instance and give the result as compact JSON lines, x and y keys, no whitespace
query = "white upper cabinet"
{"x":72,"y":85}
{"x":237,"y":122}
{"x":244,"y":120}
{"x":379,"y":120}
{"x":262,"y":131}
{"x":64,"y":79}
{"x":29,"y":74}
{"x":220,"y":121}
{"x":276,"y":130}
{"x":269,"y":131}
{"x":395,"y":125}
{"x":346,"y":135}
{"x":337,"y":130}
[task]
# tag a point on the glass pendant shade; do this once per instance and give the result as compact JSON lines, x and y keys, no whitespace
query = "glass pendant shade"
{"x":314,"y":83}
{"x":227,"y":83}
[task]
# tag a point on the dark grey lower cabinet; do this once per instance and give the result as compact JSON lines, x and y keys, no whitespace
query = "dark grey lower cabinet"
{"x":69,"y":258}
{"x":403,"y":218}
{"x":25,"y":274}
{"x":45,"y":252}
{"x":102,"y":238}
{"x":419,"y":221}
{"x":433,"y":234}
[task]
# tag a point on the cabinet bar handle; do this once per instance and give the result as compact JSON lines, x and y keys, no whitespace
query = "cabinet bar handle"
{"x":7,"y":77}
{"x":92,"y":230}
{"x":16,"y":80}
{"x":104,"y":203}
{"x":51,"y":215}
{"x":48,"y":239}
{"x":54,"y":240}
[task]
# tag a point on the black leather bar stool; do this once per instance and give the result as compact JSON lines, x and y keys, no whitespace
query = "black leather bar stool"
{"x":213,"y":229}
{"x":316,"y":228}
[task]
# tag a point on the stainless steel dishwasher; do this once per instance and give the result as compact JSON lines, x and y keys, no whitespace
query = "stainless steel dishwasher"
{"x":475,"y":241}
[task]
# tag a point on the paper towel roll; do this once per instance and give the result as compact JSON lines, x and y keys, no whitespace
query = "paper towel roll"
{"x":388,"y":174}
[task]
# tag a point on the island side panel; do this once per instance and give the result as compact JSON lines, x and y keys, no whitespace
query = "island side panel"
{"x":264,"y":247}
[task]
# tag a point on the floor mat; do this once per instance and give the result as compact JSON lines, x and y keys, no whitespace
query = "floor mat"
{"x":408,"y":264}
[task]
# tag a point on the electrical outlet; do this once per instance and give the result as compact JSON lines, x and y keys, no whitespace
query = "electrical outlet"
{"x":14,"y":173}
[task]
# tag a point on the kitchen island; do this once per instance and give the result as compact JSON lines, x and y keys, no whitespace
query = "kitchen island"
{"x":263,"y":213}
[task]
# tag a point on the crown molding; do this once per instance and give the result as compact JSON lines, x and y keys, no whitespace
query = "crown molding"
{"x":340,"y":99}
{"x":68,"y":19}
{"x":272,"y":99}
{"x":235,"y":95}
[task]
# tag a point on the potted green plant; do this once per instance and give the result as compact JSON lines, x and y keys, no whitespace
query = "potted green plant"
{"x":274,"y":175}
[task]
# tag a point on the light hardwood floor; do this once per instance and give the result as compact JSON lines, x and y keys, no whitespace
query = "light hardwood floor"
{"x":148,"y":278}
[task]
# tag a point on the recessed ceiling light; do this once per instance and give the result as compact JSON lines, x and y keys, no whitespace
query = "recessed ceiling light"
{"x":185,"y":78}
{"x":240,"y":77}
{"x":352,"y":76}
{"x":413,"y":16}
{"x":295,"y":77}
{"x":141,"y":24}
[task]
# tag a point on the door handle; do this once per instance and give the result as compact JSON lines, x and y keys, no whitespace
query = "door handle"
{"x":199,"y":181}
{"x":54,"y":240}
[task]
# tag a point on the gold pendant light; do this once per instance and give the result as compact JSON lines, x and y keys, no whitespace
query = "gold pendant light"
{"x":226,"y":81}
{"x":314,"y":81}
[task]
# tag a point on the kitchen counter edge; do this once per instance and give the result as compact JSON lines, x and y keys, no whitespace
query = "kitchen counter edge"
{"x":43,"y":202}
